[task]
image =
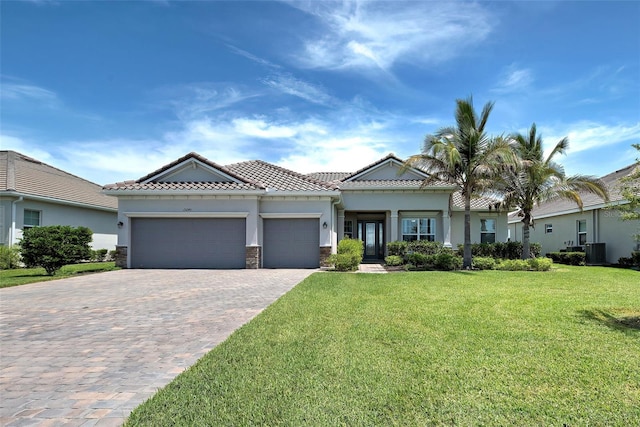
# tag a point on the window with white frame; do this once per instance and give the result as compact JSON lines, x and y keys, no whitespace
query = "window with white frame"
{"x":487,"y":230}
{"x":348,"y":229}
{"x":548,"y":228}
{"x":31,"y":218}
{"x":582,"y":232}
{"x":418,"y":229}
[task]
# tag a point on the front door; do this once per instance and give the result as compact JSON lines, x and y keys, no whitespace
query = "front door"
{"x":372,"y":235}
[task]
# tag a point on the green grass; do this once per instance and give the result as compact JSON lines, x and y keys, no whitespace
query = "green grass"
{"x":23,"y":276}
{"x":432,"y":348}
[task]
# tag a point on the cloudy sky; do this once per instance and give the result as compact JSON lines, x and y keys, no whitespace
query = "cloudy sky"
{"x":113,"y":90}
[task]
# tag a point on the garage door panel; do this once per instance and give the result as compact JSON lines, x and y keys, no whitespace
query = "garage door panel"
{"x":291,"y":243}
{"x":188,"y":243}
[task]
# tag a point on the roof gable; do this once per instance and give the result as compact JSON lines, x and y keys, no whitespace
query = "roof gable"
{"x":386,"y":169}
{"x":192,"y":168}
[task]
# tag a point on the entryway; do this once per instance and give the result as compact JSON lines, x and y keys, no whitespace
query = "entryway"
{"x":371,"y":232}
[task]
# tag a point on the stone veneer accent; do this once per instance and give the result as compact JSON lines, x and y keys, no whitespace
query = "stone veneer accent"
{"x":121,"y":256}
{"x":253,"y":256}
{"x":325,"y":253}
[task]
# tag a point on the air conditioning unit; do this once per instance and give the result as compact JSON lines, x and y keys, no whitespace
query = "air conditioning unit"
{"x":595,"y":254}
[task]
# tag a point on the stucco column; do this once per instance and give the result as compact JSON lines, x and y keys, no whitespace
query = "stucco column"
{"x":394,"y":226}
{"x":446,"y":227}
{"x":340,"y":225}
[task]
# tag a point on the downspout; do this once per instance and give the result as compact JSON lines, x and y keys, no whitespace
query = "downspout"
{"x":12,"y":236}
{"x":596,"y":226}
{"x":334,"y":225}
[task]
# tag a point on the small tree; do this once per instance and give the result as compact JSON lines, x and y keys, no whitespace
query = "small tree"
{"x":54,"y":246}
{"x":631,"y":192}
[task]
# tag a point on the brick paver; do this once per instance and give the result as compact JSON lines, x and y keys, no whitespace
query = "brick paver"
{"x":85,"y":351}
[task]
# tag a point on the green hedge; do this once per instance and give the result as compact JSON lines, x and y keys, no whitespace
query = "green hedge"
{"x":570,"y":258}
{"x":501,"y":250}
{"x":9,"y":257}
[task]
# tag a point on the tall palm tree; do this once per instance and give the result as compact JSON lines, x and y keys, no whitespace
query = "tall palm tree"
{"x":534,"y":179}
{"x":464,"y":156}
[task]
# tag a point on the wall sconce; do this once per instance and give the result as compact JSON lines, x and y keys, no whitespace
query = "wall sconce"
{"x":120,"y":224}
{"x":324,"y":225}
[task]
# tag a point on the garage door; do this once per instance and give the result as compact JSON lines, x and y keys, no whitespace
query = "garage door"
{"x":187,"y":243}
{"x":291,"y":243}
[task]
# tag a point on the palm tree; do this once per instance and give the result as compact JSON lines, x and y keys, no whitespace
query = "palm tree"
{"x":534,"y":179}
{"x":464,"y":156}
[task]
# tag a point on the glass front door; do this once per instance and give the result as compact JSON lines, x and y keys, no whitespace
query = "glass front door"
{"x":372,"y":235}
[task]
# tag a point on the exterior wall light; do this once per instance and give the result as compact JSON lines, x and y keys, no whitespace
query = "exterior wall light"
{"x":324,"y":225}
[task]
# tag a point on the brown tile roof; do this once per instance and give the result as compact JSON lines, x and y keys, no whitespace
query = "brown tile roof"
{"x":278,"y":178}
{"x":28,"y":176}
{"x":612,"y":181}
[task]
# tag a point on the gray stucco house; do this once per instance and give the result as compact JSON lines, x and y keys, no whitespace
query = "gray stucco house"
{"x":194,"y":213}
{"x":560,"y":224}
{"x":33,"y":194}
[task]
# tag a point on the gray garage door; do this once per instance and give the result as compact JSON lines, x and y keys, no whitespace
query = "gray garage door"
{"x":291,"y":243}
{"x":187,"y":243}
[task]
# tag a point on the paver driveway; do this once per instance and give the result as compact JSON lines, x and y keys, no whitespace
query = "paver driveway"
{"x":87,"y":350}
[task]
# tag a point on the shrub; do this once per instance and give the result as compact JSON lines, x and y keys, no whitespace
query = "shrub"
{"x":625,"y":261}
{"x":484,"y":263}
{"x":393,"y":260}
{"x":513,"y":265}
{"x":112,"y":255}
{"x":571,"y":258}
{"x":420,"y":260}
{"x":501,"y":250}
{"x":448,"y":261}
{"x":9,"y":257}
{"x":99,"y":255}
{"x":635,"y":256}
{"x":54,"y":246}
{"x":425,"y":247}
{"x":398,"y":248}
{"x":349,"y":255}
{"x":540,"y":264}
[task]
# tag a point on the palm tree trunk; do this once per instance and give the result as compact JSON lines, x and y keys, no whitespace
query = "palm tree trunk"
{"x":466,"y":261}
{"x":526,"y":251}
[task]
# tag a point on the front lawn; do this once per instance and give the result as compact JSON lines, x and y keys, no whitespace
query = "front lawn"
{"x":433,"y":348}
{"x":23,"y":276}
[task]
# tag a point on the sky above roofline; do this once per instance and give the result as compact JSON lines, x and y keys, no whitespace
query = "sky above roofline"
{"x":111,"y":91}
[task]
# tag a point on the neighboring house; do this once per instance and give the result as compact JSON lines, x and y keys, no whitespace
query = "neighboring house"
{"x":193,"y":213}
{"x":34,"y":194}
{"x":560,"y":224}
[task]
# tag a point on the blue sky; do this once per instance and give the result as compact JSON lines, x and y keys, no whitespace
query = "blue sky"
{"x":113,"y":90}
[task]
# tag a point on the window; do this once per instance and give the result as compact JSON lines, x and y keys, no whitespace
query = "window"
{"x":418,"y":229}
{"x":487,"y":231}
{"x":582,"y":232}
{"x":348,"y":229}
{"x":31,"y":218}
{"x":548,"y":228}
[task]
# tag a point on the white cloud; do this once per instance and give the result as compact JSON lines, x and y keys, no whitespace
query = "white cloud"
{"x":375,"y":35}
{"x":586,"y":135}
{"x":286,"y":83}
{"x":514,"y":79}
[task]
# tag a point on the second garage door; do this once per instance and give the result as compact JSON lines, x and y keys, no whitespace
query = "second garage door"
{"x":188,"y":242}
{"x":291,"y":243}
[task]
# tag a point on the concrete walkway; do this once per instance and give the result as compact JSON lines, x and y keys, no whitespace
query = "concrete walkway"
{"x":372,"y":268}
{"x":86,"y":351}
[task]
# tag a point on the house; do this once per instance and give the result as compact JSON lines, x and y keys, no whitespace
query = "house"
{"x":33,"y":194}
{"x":560,"y":224}
{"x":194,"y":213}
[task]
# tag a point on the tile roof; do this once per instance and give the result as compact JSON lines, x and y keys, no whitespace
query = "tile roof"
{"x":612,"y":181}
{"x":477,"y":203}
{"x":278,"y":178}
{"x":380,"y":184}
{"x":28,"y":176}
{"x":244,"y":184}
{"x":332,"y":177}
